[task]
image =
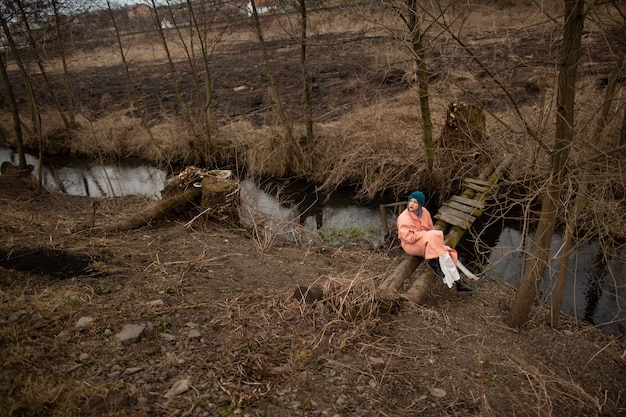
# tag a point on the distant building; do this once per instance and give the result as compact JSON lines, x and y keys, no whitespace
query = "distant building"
{"x":262,"y":6}
{"x":166,"y":24}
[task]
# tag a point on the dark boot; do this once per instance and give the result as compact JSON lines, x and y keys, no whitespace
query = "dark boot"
{"x":463,"y":287}
{"x":434,"y":265}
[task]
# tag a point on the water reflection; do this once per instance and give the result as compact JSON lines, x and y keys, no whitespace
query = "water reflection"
{"x":98,"y":181}
{"x":595,"y":288}
{"x":289,"y":212}
{"x":286,"y":210}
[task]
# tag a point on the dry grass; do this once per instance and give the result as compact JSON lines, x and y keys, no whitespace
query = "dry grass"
{"x":377,"y":146}
{"x":261,"y":344}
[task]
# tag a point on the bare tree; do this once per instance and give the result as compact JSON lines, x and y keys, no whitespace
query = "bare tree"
{"x":184,"y":108}
{"x":412,"y":14}
{"x":306,"y":86}
{"x":291,"y":143}
{"x":582,"y":194}
{"x":60,"y":27}
{"x":12,"y":104}
{"x":25,"y":17}
{"x":414,"y":25}
{"x":550,"y":203}
{"x":5,"y":20}
{"x":132,"y":88}
{"x":198,"y":43}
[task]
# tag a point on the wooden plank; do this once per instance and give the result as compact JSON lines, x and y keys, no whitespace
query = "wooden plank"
{"x":456,"y":213}
{"x":479,"y":182}
{"x":462,"y":207}
{"x":476,"y":187}
{"x":469,"y":201}
{"x":453,"y":220}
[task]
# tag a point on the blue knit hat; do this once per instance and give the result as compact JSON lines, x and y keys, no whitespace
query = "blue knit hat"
{"x":421,"y":198}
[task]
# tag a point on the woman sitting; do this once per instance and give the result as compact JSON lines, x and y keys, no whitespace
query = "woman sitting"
{"x":419,"y":238}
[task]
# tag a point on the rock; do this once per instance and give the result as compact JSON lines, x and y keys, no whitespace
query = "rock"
{"x":167,"y":337}
{"x":178,"y":388}
{"x":376,"y":362}
{"x":64,"y":336}
{"x":156,"y":303}
{"x":193,"y":334}
{"x":438,"y":392}
{"x":130,"y":333}
{"x":83,"y":322}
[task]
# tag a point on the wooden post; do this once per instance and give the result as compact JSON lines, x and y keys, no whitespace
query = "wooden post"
{"x":383,"y":214}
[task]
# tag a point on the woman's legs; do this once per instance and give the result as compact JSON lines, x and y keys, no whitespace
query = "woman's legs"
{"x":451,"y":275}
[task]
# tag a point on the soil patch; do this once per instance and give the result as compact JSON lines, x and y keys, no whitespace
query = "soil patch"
{"x":46,"y":261}
{"x":223,"y":334}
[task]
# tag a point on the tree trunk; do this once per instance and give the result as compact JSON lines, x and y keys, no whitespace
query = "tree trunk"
{"x":527,"y":293}
{"x":401,"y":272}
{"x":67,"y":77}
{"x":292,"y":157}
{"x":305,"y":73}
{"x":155,"y":212}
{"x":184,"y":108}
{"x":35,"y":47}
{"x":422,"y":77}
{"x":581,"y":194}
{"x":465,"y":127}
{"x":12,"y":103}
{"x":201,"y":32}
{"x":132,"y":87}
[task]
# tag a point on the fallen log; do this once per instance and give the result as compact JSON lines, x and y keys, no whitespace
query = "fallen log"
{"x":401,"y":272}
{"x":155,"y":212}
{"x":214,"y":191}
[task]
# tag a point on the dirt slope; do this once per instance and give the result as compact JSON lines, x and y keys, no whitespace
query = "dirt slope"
{"x":220,"y":322}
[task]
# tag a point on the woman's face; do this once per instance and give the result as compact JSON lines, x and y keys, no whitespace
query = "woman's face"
{"x":414,"y":205}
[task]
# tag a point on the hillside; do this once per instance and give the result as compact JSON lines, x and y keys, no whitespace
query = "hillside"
{"x":216,"y":321}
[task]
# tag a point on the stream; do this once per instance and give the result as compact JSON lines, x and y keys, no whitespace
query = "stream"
{"x":596,"y":285}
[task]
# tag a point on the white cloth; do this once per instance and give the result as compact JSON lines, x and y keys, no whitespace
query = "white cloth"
{"x":466,"y":271}
{"x":449,"y":270}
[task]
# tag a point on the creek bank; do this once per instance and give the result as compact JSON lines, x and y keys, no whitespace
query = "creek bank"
{"x":290,"y":213}
{"x":221,"y":315}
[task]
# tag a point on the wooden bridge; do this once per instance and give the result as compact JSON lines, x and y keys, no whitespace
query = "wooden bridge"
{"x":454,"y":218}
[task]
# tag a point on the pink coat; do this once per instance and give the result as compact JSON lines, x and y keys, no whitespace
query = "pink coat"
{"x":419,"y":238}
